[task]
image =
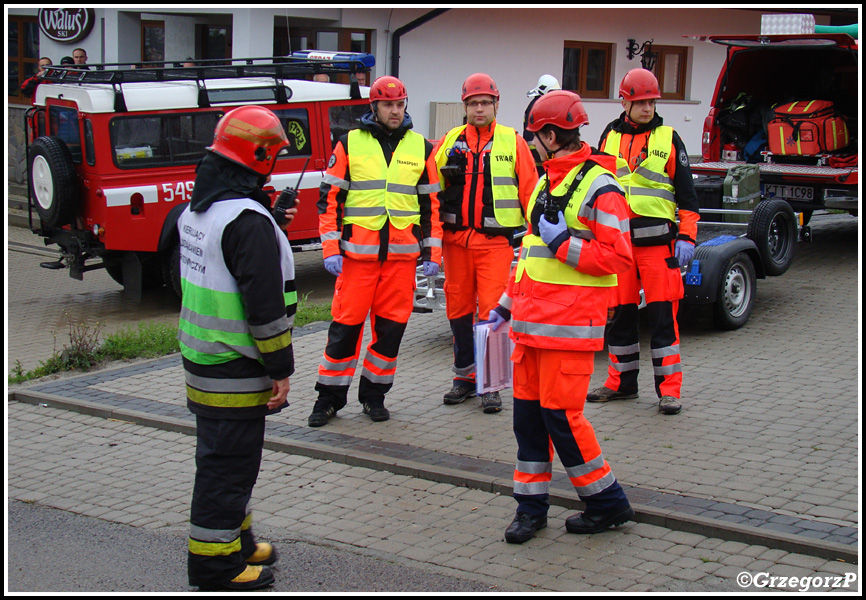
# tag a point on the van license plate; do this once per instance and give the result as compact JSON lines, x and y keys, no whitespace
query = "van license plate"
{"x":790,"y":192}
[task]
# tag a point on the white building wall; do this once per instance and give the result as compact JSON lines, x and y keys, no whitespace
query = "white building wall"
{"x":516,"y":46}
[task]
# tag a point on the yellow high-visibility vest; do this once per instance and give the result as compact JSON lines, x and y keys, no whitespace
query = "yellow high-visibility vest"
{"x":649,"y":190}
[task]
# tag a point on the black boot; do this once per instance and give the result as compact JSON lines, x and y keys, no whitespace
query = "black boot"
{"x":523,"y":527}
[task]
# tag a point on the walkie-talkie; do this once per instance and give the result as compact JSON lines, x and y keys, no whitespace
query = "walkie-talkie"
{"x":287,"y":199}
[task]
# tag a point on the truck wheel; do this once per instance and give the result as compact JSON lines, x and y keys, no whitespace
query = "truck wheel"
{"x":171,"y":270}
{"x":736,"y":293}
{"x":53,"y":181}
{"x":773,"y":228}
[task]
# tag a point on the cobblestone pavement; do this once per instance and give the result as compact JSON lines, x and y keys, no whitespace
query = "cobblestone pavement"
{"x":759,"y":473}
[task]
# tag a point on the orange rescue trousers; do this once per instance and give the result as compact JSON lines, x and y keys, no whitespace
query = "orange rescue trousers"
{"x":385,"y":290}
{"x":549,"y":395}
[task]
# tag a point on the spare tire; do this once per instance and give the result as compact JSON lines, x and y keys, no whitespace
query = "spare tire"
{"x":773,"y":228}
{"x":53,"y":181}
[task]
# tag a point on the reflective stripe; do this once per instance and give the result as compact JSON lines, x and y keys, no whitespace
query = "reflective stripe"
{"x":507,"y":203}
{"x":623,"y":350}
{"x":506,"y":301}
{"x":404,"y":213}
{"x":335,"y":366}
{"x":464,"y":371}
{"x":623,"y":367}
{"x":533,"y":467}
{"x":429,"y":188}
{"x":652,"y":193}
{"x":335,"y":380}
{"x":596,"y":487}
{"x":214,"y":548}
{"x":586,"y":468}
{"x":364,"y":211}
{"x":572,"y":257}
{"x":331,"y":235}
{"x":652,"y":176}
{"x":667,"y":369}
{"x":216,"y":348}
{"x":666,"y":351}
{"x":381,"y":363}
{"x":505,"y":181}
{"x":368,"y":184}
{"x":377,"y":378}
{"x":234,"y":385}
{"x":651,"y":231}
{"x":431,"y":243}
{"x":274,"y":344}
{"x":222,"y":536}
{"x":214,"y":323}
{"x":271,"y":329}
{"x":404,"y":248}
{"x":558,"y":331}
{"x":227,"y":400}
{"x":536,"y":488}
{"x":398,"y":188}
{"x":335,"y":181}
{"x":372,"y":250}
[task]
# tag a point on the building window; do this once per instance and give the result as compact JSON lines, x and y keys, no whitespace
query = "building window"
{"x":23,"y":55}
{"x":670,"y":69}
{"x":153,"y":41}
{"x":586,"y":68}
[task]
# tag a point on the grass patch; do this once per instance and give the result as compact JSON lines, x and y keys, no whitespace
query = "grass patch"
{"x":146,"y":340}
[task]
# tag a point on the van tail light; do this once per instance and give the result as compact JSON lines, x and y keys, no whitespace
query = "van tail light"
{"x":708,"y":138}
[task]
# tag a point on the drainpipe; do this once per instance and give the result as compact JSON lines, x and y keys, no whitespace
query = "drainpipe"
{"x":395,"y":38}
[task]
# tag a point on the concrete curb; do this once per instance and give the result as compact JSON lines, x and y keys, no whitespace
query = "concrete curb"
{"x":673,"y":520}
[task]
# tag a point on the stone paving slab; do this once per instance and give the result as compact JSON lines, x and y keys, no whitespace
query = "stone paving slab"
{"x":141,"y":476}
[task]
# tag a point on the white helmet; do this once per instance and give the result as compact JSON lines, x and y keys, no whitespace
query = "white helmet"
{"x":545,"y":84}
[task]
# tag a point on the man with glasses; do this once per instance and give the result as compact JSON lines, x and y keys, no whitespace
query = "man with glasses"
{"x":488,"y":174}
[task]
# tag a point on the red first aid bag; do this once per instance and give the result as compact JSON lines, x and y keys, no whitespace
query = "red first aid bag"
{"x":807,"y":128}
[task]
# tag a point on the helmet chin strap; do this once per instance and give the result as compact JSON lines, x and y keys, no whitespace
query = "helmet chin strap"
{"x":550,"y":153}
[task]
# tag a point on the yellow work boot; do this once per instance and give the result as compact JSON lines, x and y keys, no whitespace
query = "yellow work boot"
{"x":252,"y":578}
{"x":265,"y":554}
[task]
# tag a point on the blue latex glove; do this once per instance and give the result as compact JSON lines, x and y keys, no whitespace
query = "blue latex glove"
{"x":334,"y":265}
{"x":548,"y":231}
{"x":496,"y":320}
{"x":431,"y":269}
{"x":684,"y":251}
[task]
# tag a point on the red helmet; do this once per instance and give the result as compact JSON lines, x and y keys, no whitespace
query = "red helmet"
{"x":639,"y":84}
{"x":251,"y":136}
{"x":387,"y":87}
{"x":478,"y":84}
{"x":558,"y":107}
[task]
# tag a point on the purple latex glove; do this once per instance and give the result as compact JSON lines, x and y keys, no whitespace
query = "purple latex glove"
{"x":431,"y":269}
{"x":684,"y":251}
{"x":334,"y":265}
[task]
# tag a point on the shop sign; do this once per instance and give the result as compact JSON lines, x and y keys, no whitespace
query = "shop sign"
{"x":66,"y":24}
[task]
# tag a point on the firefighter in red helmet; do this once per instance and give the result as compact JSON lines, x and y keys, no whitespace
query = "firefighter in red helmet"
{"x":235,"y":333}
{"x":487,"y":174}
{"x":378,"y":213}
{"x":557,"y":301}
{"x":663,"y":208}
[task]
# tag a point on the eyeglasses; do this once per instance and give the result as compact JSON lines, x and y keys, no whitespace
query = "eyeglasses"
{"x":481,"y":103}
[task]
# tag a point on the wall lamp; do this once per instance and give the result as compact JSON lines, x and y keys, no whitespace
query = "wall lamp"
{"x":645,"y":51}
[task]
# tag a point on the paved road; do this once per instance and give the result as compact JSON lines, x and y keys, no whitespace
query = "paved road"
{"x":767,"y":447}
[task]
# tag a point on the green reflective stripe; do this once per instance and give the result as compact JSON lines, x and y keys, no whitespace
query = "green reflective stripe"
{"x":214,"y":548}
{"x":275,"y":343}
{"x":228,"y":400}
{"x":210,"y":336}
{"x":248,"y":520}
{"x":211,"y":353}
{"x":204,"y":301}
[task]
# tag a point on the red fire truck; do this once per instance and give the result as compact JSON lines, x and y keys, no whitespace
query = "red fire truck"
{"x":113,"y":151}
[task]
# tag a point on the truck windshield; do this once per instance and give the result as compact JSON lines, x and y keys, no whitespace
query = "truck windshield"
{"x":145,"y":141}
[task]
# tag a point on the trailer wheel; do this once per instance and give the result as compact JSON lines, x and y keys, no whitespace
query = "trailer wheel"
{"x":773,"y":228}
{"x":736,"y":293}
{"x":53,"y":181}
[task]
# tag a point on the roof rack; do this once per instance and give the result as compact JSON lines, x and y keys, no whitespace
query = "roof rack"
{"x":299,"y":65}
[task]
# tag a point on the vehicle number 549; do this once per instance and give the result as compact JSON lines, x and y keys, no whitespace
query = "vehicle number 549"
{"x":180,"y":191}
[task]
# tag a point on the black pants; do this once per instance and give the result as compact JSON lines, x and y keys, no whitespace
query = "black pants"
{"x":228,"y":456}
